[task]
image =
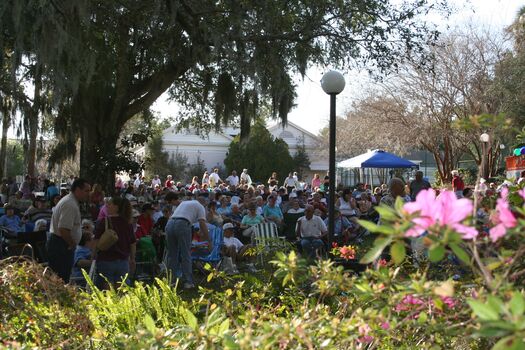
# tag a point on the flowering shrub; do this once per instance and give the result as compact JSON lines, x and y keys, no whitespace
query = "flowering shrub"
{"x":346,"y":252}
{"x":443,"y":228}
{"x":407,"y":299}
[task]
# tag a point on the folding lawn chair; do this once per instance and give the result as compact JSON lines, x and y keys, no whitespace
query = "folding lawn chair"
{"x":266,"y":237}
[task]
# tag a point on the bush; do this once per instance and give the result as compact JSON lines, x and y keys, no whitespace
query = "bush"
{"x":37,"y":310}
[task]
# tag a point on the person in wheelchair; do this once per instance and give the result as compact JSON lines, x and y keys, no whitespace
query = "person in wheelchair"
{"x":310,"y":230}
{"x":12,"y":223}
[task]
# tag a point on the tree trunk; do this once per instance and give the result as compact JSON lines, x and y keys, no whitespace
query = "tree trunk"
{"x":6,"y":121}
{"x":33,"y":126}
{"x":96,"y":151}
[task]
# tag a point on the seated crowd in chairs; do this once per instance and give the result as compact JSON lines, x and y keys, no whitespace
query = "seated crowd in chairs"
{"x":245,"y":222}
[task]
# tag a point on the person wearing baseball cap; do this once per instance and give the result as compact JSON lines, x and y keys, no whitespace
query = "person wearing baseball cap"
{"x":234,"y":248}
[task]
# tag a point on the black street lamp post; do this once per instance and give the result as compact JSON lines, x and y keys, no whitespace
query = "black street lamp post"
{"x":333,"y":83}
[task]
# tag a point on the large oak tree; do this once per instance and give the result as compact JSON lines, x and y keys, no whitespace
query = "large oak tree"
{"x":110,"y":60}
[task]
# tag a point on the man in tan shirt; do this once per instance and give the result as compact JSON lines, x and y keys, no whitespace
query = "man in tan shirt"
{"x":66,"y":229}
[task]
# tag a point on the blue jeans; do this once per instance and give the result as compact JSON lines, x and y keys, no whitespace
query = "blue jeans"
{"x":114,"y":271}
{"x":310,"y":245}
{"x":178,"y":234}
{"x":60,"y":257}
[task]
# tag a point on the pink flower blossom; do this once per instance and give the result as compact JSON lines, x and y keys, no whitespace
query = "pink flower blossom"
{"x":445,"y":210}
{"x":407,"y":303}
{"x":503,"y":218}
{"x":366,"y":339}
{"x":364,"y":329}
{"x":522,"y":193}
{"x":449,"y":302}
{"x":382,"y":263}
{"x":347,"y":253}
{"x":385,"y":325}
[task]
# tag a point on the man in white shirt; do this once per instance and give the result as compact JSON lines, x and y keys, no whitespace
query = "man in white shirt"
{"x":178,"y":234}
{"x":234,"y":248}
{"x":246,"y":178}
{"x":66,"y":229}
{"x":137,"y":182}
{"x":290,"y":183}
{"x":215,"y":179}
{"x":310,"y":229}
{"x":156,"y":181}
{"x":233,"y":179}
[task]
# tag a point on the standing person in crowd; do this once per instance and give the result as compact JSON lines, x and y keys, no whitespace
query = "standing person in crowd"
{"x":119,"y":185}
{"x":169,"y":182}
{"x":156,"y":181}
{"x":205,"y":179}
{"x":215,"y":179}
{"x":137,"y":181}
{"x":25,"y":187}
{"x":146,"y":219}
{"x":233,"y":179}
{"x":51,"y":190}
{"x":117,"y":261}
{"x":272,"y":181}
{"x":316,"y":182}
{"x":290,"y":182}
{"x":396,"y":188}
{"x":65,"y":229}
{"x":457,"y":184}
{"x":246,"y":178}
{"x":179,"y":235}
{"x":310,"y":229}
{"x":418,"y":185}
{"x":96,"y":198}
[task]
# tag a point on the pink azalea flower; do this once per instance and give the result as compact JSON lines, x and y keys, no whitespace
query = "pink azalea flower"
{"x":445,"y":210}
{"x":503,"y":218}
{"x":449,"y":302}
{"x":522,"y":193}
{"x":385,"y":325}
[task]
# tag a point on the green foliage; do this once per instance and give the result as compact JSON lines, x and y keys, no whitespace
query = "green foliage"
{"x":261,"y":164}
{"x":37,"y":310}
{"x":15,"y":159}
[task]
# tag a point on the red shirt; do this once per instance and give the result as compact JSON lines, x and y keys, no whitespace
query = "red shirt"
{"x":457,"y":184}
{"x":146,"y":223}
{"x":168,"y":184}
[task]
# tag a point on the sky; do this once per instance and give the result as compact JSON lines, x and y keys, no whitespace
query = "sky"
{"x":312,"y":104}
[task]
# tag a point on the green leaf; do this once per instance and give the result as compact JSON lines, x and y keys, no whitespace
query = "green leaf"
{"x":517,"y":304}
{"x":437,"y":253}
{"x":379,"y":245}
{"x":398,"y":205}
{"x":149,"y":324}
{"x":398,"y":252}
{"x":370,"y":226}
{"x":496,"y":304}
{"x":386,"y":213}
{"x":189,"y":318}
{"x":460,"y":253}
{"x":509,"y":343}
{"x":483,"y":311}
{"x":423,"y":317}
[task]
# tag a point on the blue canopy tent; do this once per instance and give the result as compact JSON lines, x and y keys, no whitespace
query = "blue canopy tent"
{"x":377,"y":159}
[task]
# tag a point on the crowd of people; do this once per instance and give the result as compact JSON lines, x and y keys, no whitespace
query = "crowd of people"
{"x":157,"y":215}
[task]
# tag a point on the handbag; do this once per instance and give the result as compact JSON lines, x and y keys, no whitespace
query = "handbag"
{"x":108,"y":238}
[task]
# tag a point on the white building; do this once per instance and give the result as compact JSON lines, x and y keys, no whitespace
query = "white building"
{"x":212,"y":148}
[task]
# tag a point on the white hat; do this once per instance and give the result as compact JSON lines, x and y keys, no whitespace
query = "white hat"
{"x":292,"y":195}
{"x":244,"y":170}
{"x":228,"y":225}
